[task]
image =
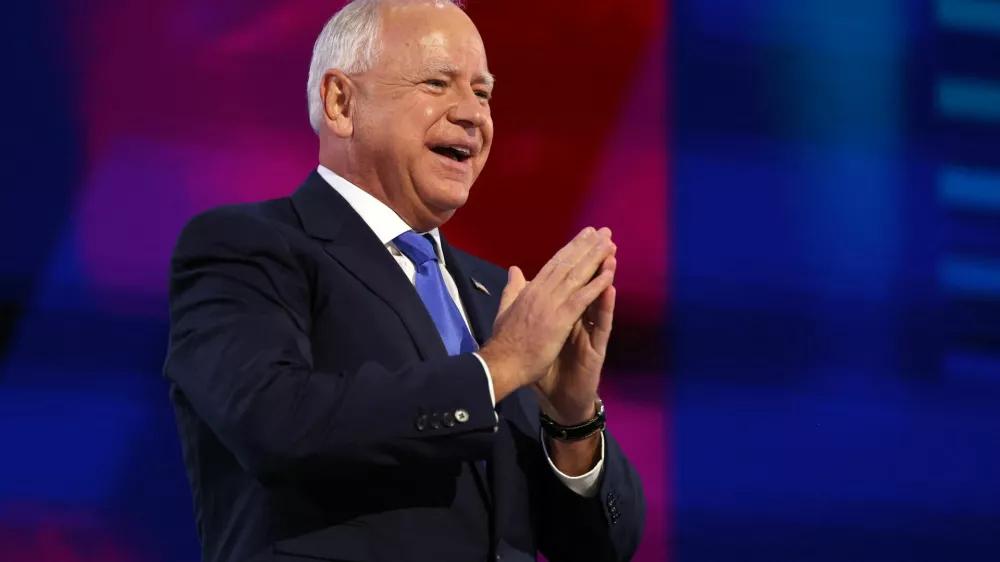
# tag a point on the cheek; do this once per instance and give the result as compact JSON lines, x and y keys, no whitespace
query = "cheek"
{"x":417,"y":122}
{"x":409,"y":128}
{"x":487,"y":134}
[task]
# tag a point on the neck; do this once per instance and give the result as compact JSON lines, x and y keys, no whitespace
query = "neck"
{"x":418,"y":217}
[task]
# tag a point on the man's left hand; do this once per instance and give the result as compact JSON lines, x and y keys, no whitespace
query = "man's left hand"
{"x":568,"y":392}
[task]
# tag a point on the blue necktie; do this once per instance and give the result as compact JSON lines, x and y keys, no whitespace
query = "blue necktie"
{"x":432,"y":290}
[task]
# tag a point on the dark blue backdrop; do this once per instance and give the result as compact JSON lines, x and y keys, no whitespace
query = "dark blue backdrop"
{"x":835,"y":335}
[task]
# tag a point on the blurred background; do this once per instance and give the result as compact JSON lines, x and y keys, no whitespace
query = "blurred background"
{"x":805,"y":196}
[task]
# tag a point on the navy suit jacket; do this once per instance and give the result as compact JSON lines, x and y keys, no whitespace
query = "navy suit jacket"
{"x":316,"y":405}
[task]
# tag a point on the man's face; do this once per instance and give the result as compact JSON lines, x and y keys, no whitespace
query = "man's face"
{"x":423,"y":111}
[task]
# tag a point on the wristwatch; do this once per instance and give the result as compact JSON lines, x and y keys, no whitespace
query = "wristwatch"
{"x":575,"y":432}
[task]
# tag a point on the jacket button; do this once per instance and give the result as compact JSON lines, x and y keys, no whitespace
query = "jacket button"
{"x":448,"y":419}
{"x":435,"y":421}
{"x":461,"y":416}
{"x":421,"y":422}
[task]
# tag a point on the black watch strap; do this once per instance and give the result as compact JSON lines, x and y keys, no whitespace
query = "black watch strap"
{"x":575,"y":432}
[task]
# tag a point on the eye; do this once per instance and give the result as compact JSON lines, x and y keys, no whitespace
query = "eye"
{"x":434,"y":83}
{"x":483,"y":95}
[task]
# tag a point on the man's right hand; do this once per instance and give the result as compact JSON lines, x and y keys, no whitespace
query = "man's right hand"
{"x":535,"y":318}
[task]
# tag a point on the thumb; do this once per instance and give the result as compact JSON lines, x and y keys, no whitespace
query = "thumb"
{"x":515,"y":283}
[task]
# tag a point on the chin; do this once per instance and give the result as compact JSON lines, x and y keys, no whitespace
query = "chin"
{"x":446,"y":195}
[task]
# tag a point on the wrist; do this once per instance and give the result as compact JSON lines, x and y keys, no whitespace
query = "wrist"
{"x":503,"y":371}
{"x":579,"y":431}
{"x":575,"y":458}
{"x":573,"y":415}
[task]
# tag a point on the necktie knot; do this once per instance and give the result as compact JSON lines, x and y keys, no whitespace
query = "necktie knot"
{"x":418,"y":249}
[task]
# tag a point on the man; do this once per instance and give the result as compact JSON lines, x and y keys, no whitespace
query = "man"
{"x":350,"y":387}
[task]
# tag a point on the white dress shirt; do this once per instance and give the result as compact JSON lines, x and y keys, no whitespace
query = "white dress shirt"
{"x":387,"y":225}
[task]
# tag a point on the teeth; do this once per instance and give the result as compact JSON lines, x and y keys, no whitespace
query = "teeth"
{"x":458,"y":153}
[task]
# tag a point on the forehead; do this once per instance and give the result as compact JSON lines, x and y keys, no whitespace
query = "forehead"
{"x":417,"y":33}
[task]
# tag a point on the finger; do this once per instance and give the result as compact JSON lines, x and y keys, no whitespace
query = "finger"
{"x":603,"y":319}
{"x":581,"y":240}
{"x":610,"y":264}
{"x":602,"y":238}
{"x":515,"y":284}
{"x":587,"y":268}
{"x":570,"y":253}
{"x":586,"y":295}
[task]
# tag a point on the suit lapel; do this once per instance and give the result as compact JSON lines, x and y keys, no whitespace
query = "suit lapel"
{"x":328,"y":217}
{"x":479,"y":306}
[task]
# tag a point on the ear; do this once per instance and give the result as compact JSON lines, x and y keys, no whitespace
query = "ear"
{"x":338,"y":92}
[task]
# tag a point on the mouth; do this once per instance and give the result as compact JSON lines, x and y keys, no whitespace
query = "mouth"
{"x":457,"y":153}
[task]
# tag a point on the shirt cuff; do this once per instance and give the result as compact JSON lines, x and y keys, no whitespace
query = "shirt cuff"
{"x":585,"y":484}
{"x":489,"y":383}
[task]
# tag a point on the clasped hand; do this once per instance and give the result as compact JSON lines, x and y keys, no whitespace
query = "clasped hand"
{"x":552,"y":333}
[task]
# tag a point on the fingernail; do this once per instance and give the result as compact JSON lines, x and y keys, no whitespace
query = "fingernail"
{"x":589,"y":231}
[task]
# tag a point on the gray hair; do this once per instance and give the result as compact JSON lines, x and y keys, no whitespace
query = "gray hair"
{"x":350,"y":42}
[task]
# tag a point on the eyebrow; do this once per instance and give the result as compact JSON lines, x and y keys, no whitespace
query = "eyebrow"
{"x":449,"y":69}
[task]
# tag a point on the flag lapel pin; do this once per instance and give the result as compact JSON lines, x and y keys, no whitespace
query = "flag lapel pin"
{"x":480,"y":287}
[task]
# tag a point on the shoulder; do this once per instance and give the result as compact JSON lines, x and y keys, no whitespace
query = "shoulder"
{"x":241,"y":225}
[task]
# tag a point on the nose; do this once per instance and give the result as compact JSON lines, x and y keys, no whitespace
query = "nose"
{"x":468,"y":111}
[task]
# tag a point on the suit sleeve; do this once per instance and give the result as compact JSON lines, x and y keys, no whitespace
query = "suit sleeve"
{"x":240,"y":353}
{"x":604,"y":528}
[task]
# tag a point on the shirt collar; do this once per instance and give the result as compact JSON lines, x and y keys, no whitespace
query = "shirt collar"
{"x":383,"y":221}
